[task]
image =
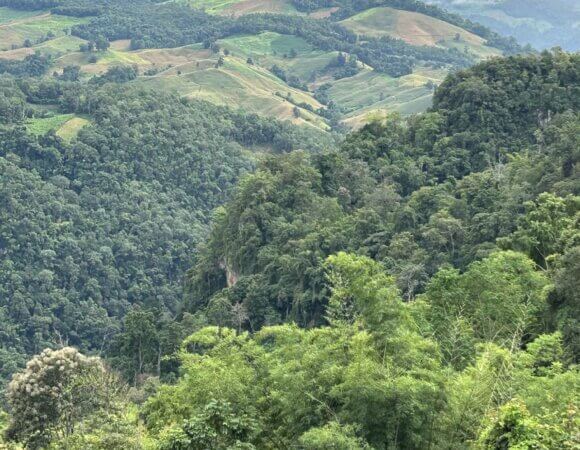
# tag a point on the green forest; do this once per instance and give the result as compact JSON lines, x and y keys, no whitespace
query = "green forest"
{"x":178,"y":273}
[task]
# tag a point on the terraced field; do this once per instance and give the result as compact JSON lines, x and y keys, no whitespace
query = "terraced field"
{"x":417,"y":29}
{"x":238,"y":8}
{"x":15,"y":31}
{"x":370,"y":93}
{"x":245,"y":79}
{"x":251,"y":87}
{"x":267,"y":49}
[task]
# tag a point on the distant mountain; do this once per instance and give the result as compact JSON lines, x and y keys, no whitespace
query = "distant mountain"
{"x":540,"y":23}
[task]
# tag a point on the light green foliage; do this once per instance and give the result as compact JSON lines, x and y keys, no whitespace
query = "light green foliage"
{"x":217,"y":427}
{"x":44,"y":125}
{"x":304,"y":379}
{"x":332,"y":436}
{"x":369,"y":379}
{"x":546,"y":354}
{"x":536,"y":379}
{"x":498,"y":299}
{"x":472,"y":393}
{"x":218,"y":366}
{"x":549,"y":226}
{"x":515,"y":428}
{"x":106,"y":430}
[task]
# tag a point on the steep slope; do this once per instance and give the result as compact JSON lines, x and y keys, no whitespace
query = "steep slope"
{"x":417,"y":29}
{"x":104,"y":218}
{"x":435,"y":190}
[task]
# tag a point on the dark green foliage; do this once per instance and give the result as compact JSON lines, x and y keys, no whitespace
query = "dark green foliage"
{"x":13,"y":106}
{"x":32,"y":66}
{"x":91,"y":227}
{"x":415,"y":195}
{"x":492,"y":108}
{"x":70,"y":73}
{"x":117,"y":74}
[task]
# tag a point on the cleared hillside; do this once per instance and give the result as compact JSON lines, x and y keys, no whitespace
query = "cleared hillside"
{"x":417,"y":29}
{"x":300,"y":66}
{"x":239,"y":8}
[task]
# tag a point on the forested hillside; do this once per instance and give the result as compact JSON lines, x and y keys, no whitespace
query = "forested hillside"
{"x":416,"y":195}
{"x":285,"y":224}
{"x":414,"y":287}
{"x":92,"y":226}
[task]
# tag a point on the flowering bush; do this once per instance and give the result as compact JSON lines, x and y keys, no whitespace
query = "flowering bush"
{"x":55,"y":390}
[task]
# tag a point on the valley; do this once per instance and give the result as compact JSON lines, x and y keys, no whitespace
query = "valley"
{"x":286,"y":224}
{"x":539,"y":23}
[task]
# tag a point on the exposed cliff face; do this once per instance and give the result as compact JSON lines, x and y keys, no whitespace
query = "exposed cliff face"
{"x":231,"y":275}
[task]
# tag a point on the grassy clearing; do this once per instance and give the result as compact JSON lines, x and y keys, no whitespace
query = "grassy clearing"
{"x":123,"y":45}
{"x":35,"y":27}
{"x":41,"y":25}
{"x":105,"y":60}
{"x":267,"y":49}
{"x":60,"y":46}
{"x":210,"y":6}
{"x":18,"y":54}
{"x":66,"y":126}
{"x":10,"y":15}
{"x":111,"y":57}
{"x":259,"y":6}
{"x":323,"y":13}
{"x":240,"y":7}
{"x":174,"y":56}
{"x":417,"y":29}
{"x":69,"y":130}
{"x":266,"y":44}
{"x":46,"y":124}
